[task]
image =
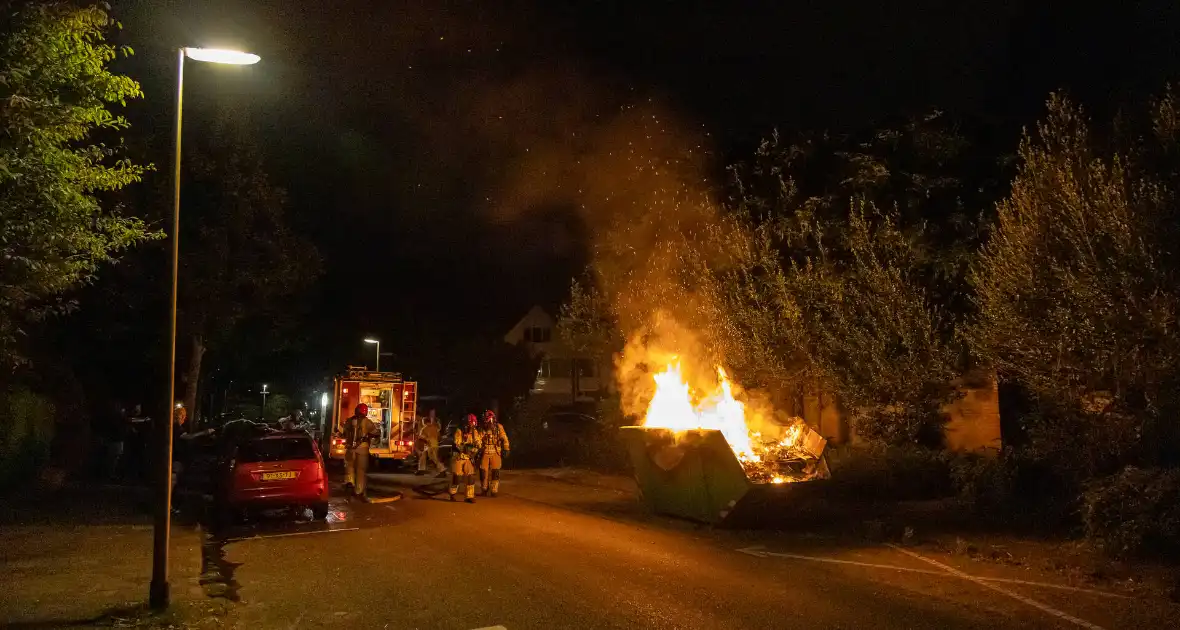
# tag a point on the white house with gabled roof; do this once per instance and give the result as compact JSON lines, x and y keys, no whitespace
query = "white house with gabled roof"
{"x":565,"y":375}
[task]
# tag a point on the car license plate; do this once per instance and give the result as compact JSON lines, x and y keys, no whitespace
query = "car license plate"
{"x":277,"y":476}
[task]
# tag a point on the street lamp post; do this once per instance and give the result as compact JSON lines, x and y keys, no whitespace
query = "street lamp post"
{"x":159,"y":595}
{"x":264,"y":393}
{"x":378,"y":342}
{"x":323,"y":411}
{"x":324,"y":421}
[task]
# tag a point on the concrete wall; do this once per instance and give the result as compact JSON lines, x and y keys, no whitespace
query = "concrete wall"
{"x":973,"y":423}
{"x":831,"y":422}
{"x":822,"y":413}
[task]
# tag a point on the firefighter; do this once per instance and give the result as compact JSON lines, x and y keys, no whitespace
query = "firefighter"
{"x":428,"y":445}
{"x":494,"y":443}
{"x":359,"y":430}
{"x":467,"y":443}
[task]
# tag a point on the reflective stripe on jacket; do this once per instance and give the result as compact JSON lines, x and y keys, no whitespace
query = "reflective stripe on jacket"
{"x":467,"y":443}
{"x":495,"y":440}
{"x":358,"y":430}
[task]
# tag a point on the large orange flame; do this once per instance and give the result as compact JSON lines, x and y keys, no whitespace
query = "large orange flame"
{"x":674,"y":407}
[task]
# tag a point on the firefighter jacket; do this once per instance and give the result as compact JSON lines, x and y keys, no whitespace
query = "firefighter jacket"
{"x":429,"y":433}
{"x":494,"y":439}
{"x":358,"y":430}
{"x":467,"y":443}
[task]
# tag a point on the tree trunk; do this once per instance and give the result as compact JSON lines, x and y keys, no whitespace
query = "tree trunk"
{"x":194,"y":377}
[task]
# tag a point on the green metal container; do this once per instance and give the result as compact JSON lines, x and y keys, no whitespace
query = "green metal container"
{"x":695,"y":475}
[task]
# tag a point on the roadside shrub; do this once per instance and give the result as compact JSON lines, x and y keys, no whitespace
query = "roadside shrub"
{"x":1076,"y":286}
{"x":1135,"y":513}
{"x":610,"y":413}
{"x":595,"y":446}
{"x":1016,"y":489}
{"x":602,"y":451}
{"x":599,"y":448}
{"x":890,"y":472}
{"x":26,"y":433}
{"x":985,"y":484}
{"x":523,"y":422}
{"x":1039,"y":484}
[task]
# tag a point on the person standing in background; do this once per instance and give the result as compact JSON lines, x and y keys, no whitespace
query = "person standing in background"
{"x":428,"y":444}
{"x":117,"y":428}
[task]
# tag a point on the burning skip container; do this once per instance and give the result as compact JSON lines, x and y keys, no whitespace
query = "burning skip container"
{"x":696,"y":475}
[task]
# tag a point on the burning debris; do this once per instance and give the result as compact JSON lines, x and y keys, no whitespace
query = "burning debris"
{"x":797,"y":457}
{"x":773,"y":453}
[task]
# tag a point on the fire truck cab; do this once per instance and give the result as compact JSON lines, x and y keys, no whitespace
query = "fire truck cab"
{"x":393,"y":407}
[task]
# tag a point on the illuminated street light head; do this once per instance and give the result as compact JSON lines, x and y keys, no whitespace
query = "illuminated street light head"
{"x":371,"y":340}
{"x":218,"y":55}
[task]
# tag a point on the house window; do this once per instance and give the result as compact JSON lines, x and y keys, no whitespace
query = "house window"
{"x":538,"y":334}
{"x":555,"y":368}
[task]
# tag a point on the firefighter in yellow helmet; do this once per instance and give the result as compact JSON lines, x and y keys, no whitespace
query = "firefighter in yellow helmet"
{"x":495,"y":447}
{"x":466,"y":449}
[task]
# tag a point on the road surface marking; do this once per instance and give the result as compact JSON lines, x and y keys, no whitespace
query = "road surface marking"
{"x":320,"y":531}
{"x":1016,"y":596}
{"x":760,"y":552}
{"x":493,"y":628}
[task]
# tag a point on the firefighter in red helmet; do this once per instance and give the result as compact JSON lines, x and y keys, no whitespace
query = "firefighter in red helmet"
{"x":466,"y":449}
{"x":494,"y":443}
{"x":359,"y":431}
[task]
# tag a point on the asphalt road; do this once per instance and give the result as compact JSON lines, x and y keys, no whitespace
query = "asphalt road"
{"x":559,"y":556}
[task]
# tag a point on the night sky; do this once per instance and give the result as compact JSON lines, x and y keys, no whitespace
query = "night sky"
{"x":399,"y":128}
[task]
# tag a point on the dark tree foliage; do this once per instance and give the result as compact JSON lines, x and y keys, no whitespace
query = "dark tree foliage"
{"x":838,"y":263}
{"x":1077,"y":286}
{"x":242,"y":267}
{"x":854,"y":260}
{"x":57,"y":229}
{"x":483,"y":371}
{"x":932,"y":174}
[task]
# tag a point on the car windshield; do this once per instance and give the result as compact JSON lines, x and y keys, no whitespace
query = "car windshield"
{"x":276,"y":450}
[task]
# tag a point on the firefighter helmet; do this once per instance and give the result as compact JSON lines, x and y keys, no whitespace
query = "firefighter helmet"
{"x":489,"y":417}
{"x":472,"y":420}
{"x":362,"y":409}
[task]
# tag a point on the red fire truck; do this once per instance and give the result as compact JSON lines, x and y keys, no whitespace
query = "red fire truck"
{"x":393,"y":407}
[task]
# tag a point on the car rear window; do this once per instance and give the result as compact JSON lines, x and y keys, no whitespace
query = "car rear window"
{"x":276,"y":450}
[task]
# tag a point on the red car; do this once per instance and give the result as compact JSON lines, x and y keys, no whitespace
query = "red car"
{"x":275,"y":470}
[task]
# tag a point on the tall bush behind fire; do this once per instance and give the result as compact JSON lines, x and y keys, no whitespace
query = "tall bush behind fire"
{"x":782,"y":289}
